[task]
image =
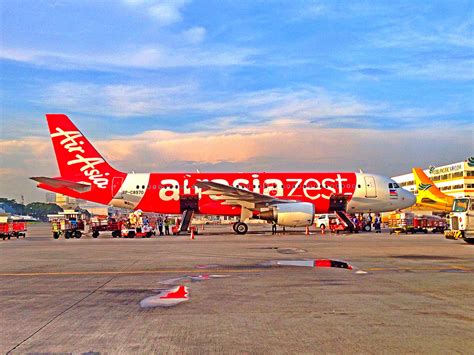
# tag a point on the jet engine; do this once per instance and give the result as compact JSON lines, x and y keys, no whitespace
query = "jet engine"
{"x":292,"y":214}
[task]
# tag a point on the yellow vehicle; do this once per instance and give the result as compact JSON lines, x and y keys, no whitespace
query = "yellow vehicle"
{"x":461,"y":220}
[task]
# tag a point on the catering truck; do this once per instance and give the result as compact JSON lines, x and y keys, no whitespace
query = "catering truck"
{"x":461,"y":220}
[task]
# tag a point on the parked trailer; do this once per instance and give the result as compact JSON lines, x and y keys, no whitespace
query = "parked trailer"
{"x":11,"y":229}
{"x":408,"y":222}
{"x":105,"y":224}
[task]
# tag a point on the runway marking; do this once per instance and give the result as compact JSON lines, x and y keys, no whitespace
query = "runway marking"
{"x":137,"y":272}
{"x":237,"y":270}
{"x":421,"y":268}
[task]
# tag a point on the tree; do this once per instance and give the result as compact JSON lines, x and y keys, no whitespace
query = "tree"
{"x":41,"y":210}
{"x":11,"y":206}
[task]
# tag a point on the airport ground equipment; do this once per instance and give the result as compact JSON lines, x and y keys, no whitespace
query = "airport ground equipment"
{"x":105,"y":224}
{"x":145,"y":231}
{"x":408,"y":222}
{"x":343,"y":222}
{"x":70,"y":224}
{"x":10,"y":228}
{"x":461,"y":220}
{"x":183,"y":224}
{"x":136,"y":225}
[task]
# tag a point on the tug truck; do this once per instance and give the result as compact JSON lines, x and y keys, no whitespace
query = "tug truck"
{"x":461,"y":220}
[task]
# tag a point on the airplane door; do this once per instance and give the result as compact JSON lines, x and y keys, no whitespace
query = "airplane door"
{"x":116,"y":185}
{"x":370,"y":188}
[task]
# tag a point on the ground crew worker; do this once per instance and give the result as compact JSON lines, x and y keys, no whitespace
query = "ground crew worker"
{"x":377,"y":224}
{"x":369,"y":220}
{"x":167,"y":225}
{"x":160,"y":226}
{"x":274,"y":228}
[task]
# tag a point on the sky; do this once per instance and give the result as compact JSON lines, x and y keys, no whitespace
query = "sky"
{"x":182,"y":85}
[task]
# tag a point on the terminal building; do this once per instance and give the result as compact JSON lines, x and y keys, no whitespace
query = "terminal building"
{"x":455,"y":179}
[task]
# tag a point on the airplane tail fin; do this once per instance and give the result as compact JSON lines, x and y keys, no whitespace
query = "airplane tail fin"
{"x":429,"y":195}
{"x":76,"y":157}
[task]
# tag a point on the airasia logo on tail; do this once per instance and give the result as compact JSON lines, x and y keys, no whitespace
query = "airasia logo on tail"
{"x":87,"y":165}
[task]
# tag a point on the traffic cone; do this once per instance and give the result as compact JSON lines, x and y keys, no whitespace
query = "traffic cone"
{"x":322,"y":230}
{"x":192,"y":233}
{"x":307,"y":230}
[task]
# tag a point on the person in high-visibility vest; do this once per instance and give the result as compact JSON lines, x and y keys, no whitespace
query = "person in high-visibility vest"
{"x":167,"y":225}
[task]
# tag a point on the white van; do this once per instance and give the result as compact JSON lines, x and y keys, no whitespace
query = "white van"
{"x":323,"y":219}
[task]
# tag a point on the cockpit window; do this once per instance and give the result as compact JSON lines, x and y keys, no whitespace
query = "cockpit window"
{"x":390,"y":185}
{"x":396,"y":186}
{"x":393,"y":185}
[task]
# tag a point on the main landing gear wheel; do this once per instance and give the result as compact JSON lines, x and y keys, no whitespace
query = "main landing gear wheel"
{"x":240,"y":228}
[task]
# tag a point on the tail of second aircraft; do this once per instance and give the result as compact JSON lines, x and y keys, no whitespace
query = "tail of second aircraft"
{"x":82,"y":169}
{"x":429,"y":195}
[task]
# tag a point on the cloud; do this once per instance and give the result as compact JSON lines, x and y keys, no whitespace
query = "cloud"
{"x":218,"y":110}
{"x":144,"y":57}
{"x":164,"y":12}
{"x":195,"y":35}
{"x":114,"y":100}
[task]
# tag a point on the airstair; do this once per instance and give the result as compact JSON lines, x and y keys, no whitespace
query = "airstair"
{"x":186,"y":220}
{"x":342,"y":215}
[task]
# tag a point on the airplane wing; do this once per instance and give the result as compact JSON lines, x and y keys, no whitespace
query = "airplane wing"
{"x":59,"y":183}
{"x":236,"y":196}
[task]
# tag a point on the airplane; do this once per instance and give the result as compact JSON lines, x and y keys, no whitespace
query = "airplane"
{"x":429,"y":195}
{"x":287,"y":199}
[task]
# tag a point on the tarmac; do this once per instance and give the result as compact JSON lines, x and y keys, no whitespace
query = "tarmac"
{"x":405,"y":294}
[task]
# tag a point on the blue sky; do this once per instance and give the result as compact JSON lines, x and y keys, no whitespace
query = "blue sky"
{"x":220,"y":85}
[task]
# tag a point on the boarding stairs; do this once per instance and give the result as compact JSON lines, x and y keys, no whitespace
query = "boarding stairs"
{"x":346,"y":218}
{"x":186,"y":219}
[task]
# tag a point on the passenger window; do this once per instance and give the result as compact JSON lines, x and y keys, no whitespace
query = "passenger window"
{"x":138,"y":186}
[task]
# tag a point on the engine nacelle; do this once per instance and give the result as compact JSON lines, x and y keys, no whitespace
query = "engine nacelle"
{"x":293,"y":214}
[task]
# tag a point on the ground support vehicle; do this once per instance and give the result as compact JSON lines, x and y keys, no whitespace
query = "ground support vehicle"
{"x":144,"y":231}
{"x":343,"y":222}
{"x":70,"y":224}
{"x":461,"y":220}
{"x":105,"y":224}
{"x":408,"y":222}
{"x":10,"y":228}
{"x":183,"y":224}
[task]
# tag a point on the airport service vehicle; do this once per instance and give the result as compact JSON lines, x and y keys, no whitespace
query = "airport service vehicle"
{"x":104,"y":224}
{"x":145,"y":231}
{"x":69,"y":223}
{"x":461,"y":220}
{"x":343,"y":222}
{"x":408,"y":222}
{"x":288,"y":199}
{"x":10,"y":228}
{"x":324,"y":220}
